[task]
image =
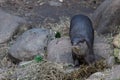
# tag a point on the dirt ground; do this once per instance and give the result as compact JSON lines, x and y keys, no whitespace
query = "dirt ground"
{"x":44,"y":11}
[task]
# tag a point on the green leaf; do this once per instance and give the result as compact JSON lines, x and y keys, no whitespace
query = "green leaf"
{"x":38,"y":58}
{"x":57,"y":35}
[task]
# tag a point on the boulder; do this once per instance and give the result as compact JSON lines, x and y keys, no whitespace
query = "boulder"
{"x":8,"y":25}
{"x":31,"y":43}
{"x":103,"y":49}
{"x":110,"y":74}
{"x":106,"y":17}
{"x":59,"y":51}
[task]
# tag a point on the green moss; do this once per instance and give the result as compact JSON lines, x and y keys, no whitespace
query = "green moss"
{"x":116,"y":52}
{"x":116,"y":55}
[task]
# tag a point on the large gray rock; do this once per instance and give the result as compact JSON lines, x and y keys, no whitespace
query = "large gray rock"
{"x":8,"y":25}
{"x":112,"y":74}
{"x":59,"y":50}
{"x":30,"y":43}
{"x":106,"y":17}
{"x":2,"y":1}
{"x":103,"y":49}
{"x":96,"y":76}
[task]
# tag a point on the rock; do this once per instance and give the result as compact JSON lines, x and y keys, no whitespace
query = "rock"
{"x":96,"y":76}
{"x":2,"y":1}
{"x":2,"y":77}
{"x":112,"y":74}
{"x":61,"y":0}
{"x":8,"y":25}
{"x":102,"y":47}
{"x":116,"y":41}
{"x":31,"y":43}
{"x":106,"y":17}
{"x":54,"y":3}
{"x":59,"y":50}
{"x":117,"y":54}
{"x":110,"y":61}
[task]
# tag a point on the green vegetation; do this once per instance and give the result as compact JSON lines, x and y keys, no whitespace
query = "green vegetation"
{"x":57,"y":35}
{"x":116,"y":55}
{"x":38,"y":58}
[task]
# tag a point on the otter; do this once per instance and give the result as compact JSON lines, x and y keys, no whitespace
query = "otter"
{"x":81,"y":31}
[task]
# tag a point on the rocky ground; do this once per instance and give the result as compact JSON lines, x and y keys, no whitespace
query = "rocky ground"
{"x":27,"y":29}
{"x":44,"y":11}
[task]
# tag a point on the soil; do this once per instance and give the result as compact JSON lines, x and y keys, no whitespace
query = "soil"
{"x":37,"y":12}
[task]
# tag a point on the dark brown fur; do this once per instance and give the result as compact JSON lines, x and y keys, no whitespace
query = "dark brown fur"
{"x":81,"y":30}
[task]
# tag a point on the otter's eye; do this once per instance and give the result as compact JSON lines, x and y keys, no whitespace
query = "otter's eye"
{"x":74,"y":43}
{"x":82,"y":41}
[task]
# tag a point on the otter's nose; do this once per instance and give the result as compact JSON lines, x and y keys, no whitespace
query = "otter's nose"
{"x":76,"y":49}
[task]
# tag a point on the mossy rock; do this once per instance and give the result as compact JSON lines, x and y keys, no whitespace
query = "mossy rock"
{"x":117,"y":54}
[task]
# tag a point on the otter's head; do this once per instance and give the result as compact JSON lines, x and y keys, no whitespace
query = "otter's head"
{"x":79,"y":47}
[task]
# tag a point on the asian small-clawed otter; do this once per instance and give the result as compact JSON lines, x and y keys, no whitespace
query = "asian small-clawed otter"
{"x":81,"y":30}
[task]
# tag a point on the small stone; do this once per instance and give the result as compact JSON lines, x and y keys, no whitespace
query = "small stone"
{"x":55,"y":3}
{"x":24,"y":63}
{"x":61,"y":0}
{"x":116,"y":41}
